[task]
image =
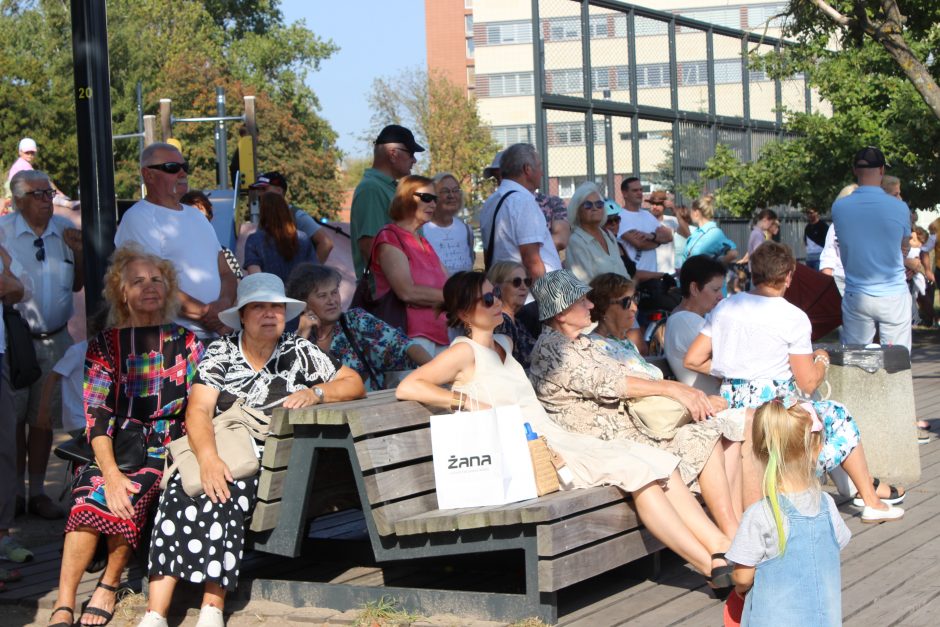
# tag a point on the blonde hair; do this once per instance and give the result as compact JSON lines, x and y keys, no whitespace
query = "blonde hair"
{"x":847,"y":190}
{"x":501,"y":271}
{"x":784,"y":441}
{"x":888,"y":183}
{"x":706,"y":205}
{"x":120,"y":313}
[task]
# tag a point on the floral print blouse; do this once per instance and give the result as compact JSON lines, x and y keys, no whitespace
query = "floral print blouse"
{"x":384,"y":346}
{"x":626,"y":352}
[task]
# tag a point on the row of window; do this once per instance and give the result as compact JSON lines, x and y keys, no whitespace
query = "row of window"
{"x":565,"y":134}
{"x":613,"y":78}
{"x":615,"y":24}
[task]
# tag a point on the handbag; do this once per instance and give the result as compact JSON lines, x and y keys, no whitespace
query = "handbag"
{"x":658,"y":417}
{"x":129,"y":443}
{"x":388,"y":307}
{"x":236,"y":430}
{"x":24,"y":366}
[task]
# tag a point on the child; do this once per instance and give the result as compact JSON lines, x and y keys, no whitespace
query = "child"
{"x":786,"y":551}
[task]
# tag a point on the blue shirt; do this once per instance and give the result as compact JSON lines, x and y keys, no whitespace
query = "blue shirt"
{"x":261,"y":251}
{"x":870,"y":226}
{"x":709,"y":240}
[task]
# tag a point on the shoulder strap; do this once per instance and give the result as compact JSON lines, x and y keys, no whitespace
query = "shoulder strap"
{"x":488,"y":253}
{"x":352,"y":341}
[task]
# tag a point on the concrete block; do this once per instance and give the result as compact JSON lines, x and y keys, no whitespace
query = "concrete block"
{"x":876,"y":386}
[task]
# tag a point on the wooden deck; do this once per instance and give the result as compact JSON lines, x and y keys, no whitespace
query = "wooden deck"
{"x":890,"y":572}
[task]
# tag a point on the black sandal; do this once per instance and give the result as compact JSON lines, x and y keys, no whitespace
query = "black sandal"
{"x":721,"y":576}
{"x":894,"y":496}
{"x":64,"y":608}
{"x":97,"y":611}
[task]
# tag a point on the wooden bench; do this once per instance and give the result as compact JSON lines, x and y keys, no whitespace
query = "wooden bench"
{"x":564,"y":538}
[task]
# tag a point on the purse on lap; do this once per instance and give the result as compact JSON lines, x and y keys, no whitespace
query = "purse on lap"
{"x":236,"y":430}
{"x":658,"y":417}
{"x":128,"y":442}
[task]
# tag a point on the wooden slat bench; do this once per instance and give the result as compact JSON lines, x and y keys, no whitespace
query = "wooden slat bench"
{"x":565,"y":537}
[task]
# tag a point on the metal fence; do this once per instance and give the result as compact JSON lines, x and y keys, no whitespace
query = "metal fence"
{"x":622,"y":90}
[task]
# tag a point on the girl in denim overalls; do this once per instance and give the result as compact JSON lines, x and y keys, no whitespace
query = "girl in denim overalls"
{"x":786,"y":551}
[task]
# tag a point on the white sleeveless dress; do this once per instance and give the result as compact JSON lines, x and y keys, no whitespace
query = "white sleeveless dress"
{"x":625,"y":464}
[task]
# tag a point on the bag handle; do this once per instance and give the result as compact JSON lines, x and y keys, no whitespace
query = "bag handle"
{"x":488,"y":253}
{"x":358,"y":349}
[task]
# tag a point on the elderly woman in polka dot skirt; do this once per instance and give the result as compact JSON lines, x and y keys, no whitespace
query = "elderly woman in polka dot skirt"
{"x":201,"y":539}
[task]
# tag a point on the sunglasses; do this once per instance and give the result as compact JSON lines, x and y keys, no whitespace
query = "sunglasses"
{"x":518,"y":281}
{"x":38,"y":194}
{"x":626,"y":301}
{"x":410,"y":153}
{"x":40,"y":245}
{"x":170,"y":167}
{"x":426,"y":197}
{"x":489,"y":299}
{"x":597,"y":204}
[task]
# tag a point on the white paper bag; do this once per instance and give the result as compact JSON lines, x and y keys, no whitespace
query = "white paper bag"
{"x":481,"y":458}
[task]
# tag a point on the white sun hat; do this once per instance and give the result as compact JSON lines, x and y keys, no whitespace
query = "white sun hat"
{"x":261,"y":288}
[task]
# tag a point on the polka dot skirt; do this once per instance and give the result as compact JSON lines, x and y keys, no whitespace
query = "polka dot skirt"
{"x":200,"y":541}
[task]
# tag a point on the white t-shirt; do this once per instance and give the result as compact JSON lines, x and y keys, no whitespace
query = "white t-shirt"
{"x":830,"y":256}
{"x":520,"y":221}
{"x":72,"y":369}
{"x":645,"y":222}
{"x":919,"y":280}
{"x":184,"y":237}
{"x":452,"y":244}
{"x":681,"y":330}
{"x":666,"y":253}
{"x":754,"y":336}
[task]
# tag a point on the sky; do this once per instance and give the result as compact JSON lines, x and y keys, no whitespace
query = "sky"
{"x":376,"y":38}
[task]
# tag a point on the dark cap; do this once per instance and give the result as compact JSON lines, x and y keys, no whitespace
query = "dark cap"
{"x":270,"y":178}
{"x":870,"y":157}
{"x":395,"y":134}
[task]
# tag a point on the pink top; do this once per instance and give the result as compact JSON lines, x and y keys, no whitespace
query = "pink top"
{"x":18,"y":166}
{"x":425,"y":269}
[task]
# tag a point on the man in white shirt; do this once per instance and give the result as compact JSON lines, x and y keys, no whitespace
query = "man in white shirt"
{"x":48,"y":249}
{"x":666,"y":253}
{"x":641,"y":231}
{"x":517,"y":232}
{"x":180,"y":233}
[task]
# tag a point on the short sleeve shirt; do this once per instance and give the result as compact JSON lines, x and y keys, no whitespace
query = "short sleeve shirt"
{"x":553,"y":208}
{"x":369,"y":211}
{"x":453,"y":244}
{"x":305,"y":222}
{"x":72,"y":370}
{"x":681,"y":330}
{"x":645,"y":222}
{"x":260,"y":250}
{"x":519,"y":222}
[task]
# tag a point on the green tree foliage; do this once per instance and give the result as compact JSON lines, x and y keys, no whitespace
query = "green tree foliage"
{"x":875,"y":100}
{"x":443,"y":119}
{"x":182,"y":54}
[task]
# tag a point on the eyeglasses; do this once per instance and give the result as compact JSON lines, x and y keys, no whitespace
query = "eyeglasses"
{"x":447,"y":191}
{"x":518,"y":281}
{"x":597,"y":204}
{"x":410,"y":153}
{"x":170,"y":167}
{"x":40,"y":245}
{"x":426,"y":197}
{"x":489,"y":299}
{"x":626,"y":301}
{"x":39,"y":194}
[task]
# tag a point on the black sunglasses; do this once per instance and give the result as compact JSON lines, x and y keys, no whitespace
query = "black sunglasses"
{"x":426,"y":197}
{"x":170,"y":167}
{"x":518,"y":281}
{"x":40,"y":245}
{"x":597,"y":204}
{"x":489,"y":298}
{"x":48,"y":193}
{"x":626,"y":300}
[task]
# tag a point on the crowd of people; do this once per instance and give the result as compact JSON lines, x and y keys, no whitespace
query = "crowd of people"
{"x":551,"y":322}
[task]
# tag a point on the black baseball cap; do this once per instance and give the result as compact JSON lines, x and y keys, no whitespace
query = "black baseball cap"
{"x":270,"y":178}
{"x":870,"y":157}
{"x":395,"y":134}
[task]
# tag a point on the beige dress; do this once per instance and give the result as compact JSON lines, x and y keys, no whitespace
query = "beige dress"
{"x":593,"y":461}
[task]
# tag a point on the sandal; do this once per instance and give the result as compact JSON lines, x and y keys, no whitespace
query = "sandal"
{"x":894,"y":497}
{"x":720,"y":579}
{"x":62,"y":623}
{"x":97,"y":611}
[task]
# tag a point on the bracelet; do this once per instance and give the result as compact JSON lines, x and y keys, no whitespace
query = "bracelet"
{"x":456,"y":400}
{"x":821,"y":358}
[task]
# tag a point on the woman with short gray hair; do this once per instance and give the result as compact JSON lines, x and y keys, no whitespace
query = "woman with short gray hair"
{"x":449,"y":236}
{"x":592,"y":251}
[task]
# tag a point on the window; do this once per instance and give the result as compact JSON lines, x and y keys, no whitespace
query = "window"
{"x":468,"y":24}
{"x":729,"y":17}
{"x":597,"y":26}
{"x":757,"y":76}
{"x":560,"y":29}
{"x":505,"y":33}
{"x":518,"y":84}
{"x":468,"y":4}
{"x":506,"y":136}
{"x":623,"y":77}
{"x":564,"y":81}
{"x":471,"y":76}
{"x":771,"y":15}
{"x":727,"y":71}
{"x":469,"y":47}
{"x":652,"y":75}
{"x":572,"y":133}
{"x":645,"y":26}
{"x":600,"y":78}
{"x":693,"y":73}
{"x":566,"y":186}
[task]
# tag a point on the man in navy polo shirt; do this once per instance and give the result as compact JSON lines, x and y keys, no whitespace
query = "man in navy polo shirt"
{"x":874,"y":232}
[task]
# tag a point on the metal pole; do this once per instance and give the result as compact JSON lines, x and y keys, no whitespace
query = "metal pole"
{"x":95,"y":153}
{"x":252,"y":125}
{"x":634,"y":94}
{"x":538,"y":76}
{"x":221,"y":154}
{"x":588,"y":92}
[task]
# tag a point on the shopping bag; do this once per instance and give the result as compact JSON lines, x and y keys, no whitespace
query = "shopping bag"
{"x":481,"y":458}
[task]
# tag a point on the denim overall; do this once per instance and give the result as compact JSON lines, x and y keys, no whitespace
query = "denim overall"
{"x":803,"y":587}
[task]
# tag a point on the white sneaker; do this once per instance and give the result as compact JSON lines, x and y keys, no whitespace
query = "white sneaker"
{"x":872,"y":515}
{"x":210,"y":616}
{"x":152,"y":619}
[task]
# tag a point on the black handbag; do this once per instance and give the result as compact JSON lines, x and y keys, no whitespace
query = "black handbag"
{"x":389,"y":307}
{"x":129,"y":444}
{"x":24,"y":367}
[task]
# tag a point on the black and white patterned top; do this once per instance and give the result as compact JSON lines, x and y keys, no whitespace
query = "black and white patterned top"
{"x":295,"y":364}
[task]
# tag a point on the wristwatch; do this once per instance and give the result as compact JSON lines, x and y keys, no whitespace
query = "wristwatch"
{"x":318,"y":392}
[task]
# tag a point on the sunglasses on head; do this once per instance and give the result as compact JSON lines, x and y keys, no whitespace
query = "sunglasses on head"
{"x":170,"y":167}
{"x":627,"y":300}
{"x":518,"y":281}
{"x":426,"y":197}
{"x":597,"y":204}
{"x":489,"y":298}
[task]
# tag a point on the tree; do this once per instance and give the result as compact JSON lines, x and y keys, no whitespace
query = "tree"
{"x":182,"y":54}
{"x":873,"y":101}
{"x":444,"y":119}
